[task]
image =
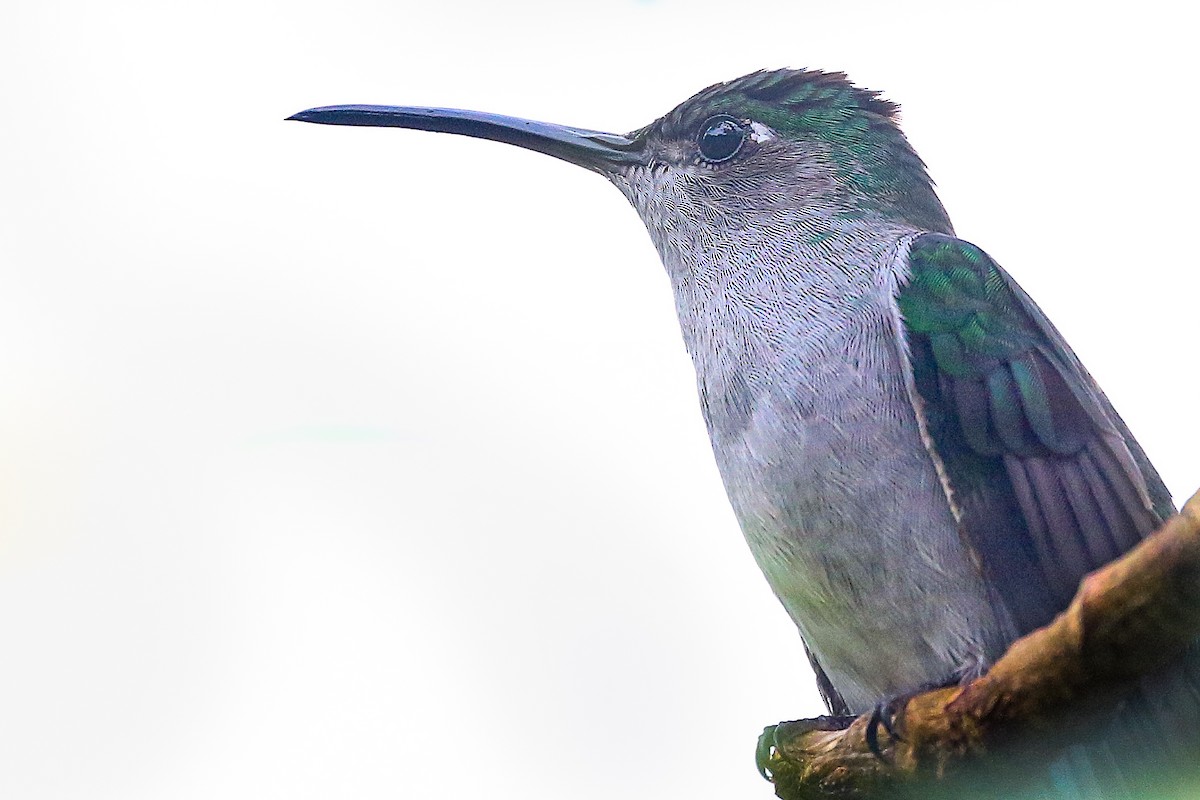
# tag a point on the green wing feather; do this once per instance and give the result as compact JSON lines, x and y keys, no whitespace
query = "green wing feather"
{"x":1049,"y":482}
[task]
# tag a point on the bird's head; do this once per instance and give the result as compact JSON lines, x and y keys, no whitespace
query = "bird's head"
{"x":759,"y":151}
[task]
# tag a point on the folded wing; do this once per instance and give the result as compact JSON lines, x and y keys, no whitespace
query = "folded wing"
{"x":1048,"y":482}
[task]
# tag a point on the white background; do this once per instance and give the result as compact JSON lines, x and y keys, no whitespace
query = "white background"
{"x":366,"y":463}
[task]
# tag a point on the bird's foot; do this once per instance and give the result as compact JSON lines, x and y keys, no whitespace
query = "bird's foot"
{"x":773,"y":735}
{"x":885,"y":712}
{"x":884,"y":716}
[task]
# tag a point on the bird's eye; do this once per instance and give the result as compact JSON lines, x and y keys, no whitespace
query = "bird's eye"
{"x":721,"y":138}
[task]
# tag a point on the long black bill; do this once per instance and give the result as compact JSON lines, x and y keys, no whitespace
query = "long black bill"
{"x":602,"y":152}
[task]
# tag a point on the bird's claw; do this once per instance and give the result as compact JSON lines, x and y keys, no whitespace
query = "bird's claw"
{"x":883,"y":716}
{"x":885,"y":712}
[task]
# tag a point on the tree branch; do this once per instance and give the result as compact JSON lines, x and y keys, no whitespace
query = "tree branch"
{"x":1135,"y":614}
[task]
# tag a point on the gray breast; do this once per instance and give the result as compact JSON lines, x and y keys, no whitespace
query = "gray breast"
{"x":803,"y":388}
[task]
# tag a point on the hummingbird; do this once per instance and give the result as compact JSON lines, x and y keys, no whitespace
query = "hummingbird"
{"x":921,"y":466}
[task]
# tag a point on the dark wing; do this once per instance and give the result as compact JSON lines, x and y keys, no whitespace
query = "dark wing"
{"x":832,"y":697}
{"x":1048,"y":482}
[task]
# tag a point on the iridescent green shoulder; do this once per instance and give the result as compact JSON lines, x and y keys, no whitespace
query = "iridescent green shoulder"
{"x":972,"y":335}
{"x":957,"y":295}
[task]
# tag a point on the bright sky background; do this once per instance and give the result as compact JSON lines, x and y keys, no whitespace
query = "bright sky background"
{"x":367,"y":463}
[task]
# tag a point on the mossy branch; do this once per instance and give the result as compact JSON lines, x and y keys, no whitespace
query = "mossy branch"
{"x":1135,"y":614}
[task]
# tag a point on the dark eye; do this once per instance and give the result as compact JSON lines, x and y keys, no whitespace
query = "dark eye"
{"x":720,"y":138}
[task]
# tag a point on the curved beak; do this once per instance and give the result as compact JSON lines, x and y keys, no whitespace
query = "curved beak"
{"x":602,"y":152}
